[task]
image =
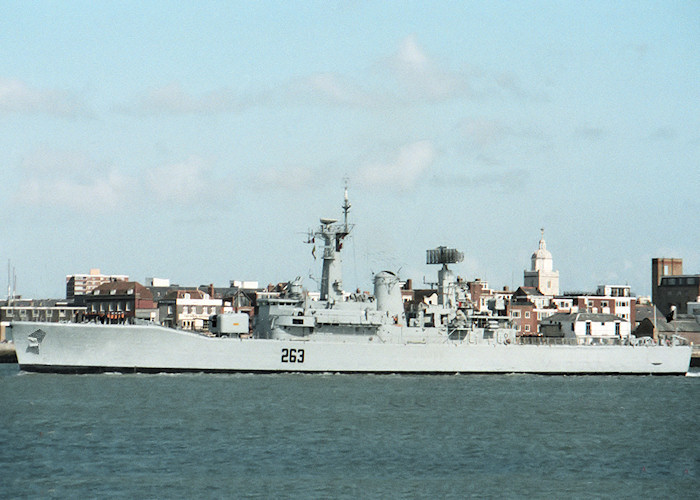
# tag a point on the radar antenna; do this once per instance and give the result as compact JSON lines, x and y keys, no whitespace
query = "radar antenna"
{"x":446,"y":281}
{"x":444,"y":255}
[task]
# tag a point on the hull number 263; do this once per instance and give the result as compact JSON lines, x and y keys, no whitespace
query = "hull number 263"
{"x":292,"y":355}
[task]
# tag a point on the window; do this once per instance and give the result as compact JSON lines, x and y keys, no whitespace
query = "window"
{"x":588,"y":327}
{"x":527,"y":314}
{"x":617,"y":329}
{"x":527,"y":328}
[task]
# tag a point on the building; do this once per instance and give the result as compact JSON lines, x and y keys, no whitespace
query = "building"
{"x":189,"y":309}
{"x":499,"y":301}
{"x":78,"y":285}
{"x":586,"y":327}
{"x":670,"y":287}
{"x":160,"y":287}
{"x":541,"y":274}
{"x":616,"y":300}
{"x":481,"y":295}
{"x":527,"y":308}
{"x":120,"y":302}
{"x":239,"y":296}
{"x":50,"y":310}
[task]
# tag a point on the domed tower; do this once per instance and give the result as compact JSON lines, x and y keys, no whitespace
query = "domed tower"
{"x":541,"y":274}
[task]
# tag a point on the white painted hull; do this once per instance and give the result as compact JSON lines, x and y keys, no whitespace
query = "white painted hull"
{"x":89,"y":347}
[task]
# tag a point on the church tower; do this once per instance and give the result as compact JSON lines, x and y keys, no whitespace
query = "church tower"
{"x":541,"y":274}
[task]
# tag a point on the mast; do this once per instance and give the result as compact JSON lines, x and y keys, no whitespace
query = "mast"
{"x":346,"y":207}
{"x":333,"y":235}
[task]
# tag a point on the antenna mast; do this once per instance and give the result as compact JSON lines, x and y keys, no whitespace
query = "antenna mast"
{"x":346,"y":206}
{"x":333,"y":234}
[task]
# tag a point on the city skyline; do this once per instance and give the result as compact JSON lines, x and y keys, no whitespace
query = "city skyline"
{"x":200,"y":142}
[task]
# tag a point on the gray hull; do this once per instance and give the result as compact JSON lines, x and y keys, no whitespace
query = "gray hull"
{"x":75,"y":348}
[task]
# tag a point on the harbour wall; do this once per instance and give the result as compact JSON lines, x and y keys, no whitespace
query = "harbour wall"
{"x":7,"y":353}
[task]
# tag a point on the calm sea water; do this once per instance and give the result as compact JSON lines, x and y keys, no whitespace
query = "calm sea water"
{"x":347,"y":436}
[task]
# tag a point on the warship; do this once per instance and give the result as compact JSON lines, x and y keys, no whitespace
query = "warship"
{"x":340,"y":332}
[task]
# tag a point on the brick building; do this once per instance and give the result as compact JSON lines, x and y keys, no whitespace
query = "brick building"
{"x":120,"y":302}
{"x":670,"y":287}
{"x":78,"y":285}
{"x":526,"y":308}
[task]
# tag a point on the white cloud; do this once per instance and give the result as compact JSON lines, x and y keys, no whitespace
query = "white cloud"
{"x":173,"y":99}
{"x":483,"y":131}
{"x":506,"y":179}
{"x":182,"y":182}
{"x":509,"y":83}
{"x":327,"y":89}
{"x":289,"y":178}
{"x":422,"y":76}
{"x":96,"y":195}
{"x":418,"y":76}
{"x":73,"y":181}
{"x":330,"y":88}
{"x":62,"y":179}
{"x":406,"y":77}
{"x":18,"y":97}
{"x":410,"y":162}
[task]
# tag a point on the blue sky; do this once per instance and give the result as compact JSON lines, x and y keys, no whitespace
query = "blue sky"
{"x":199,"y":142}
